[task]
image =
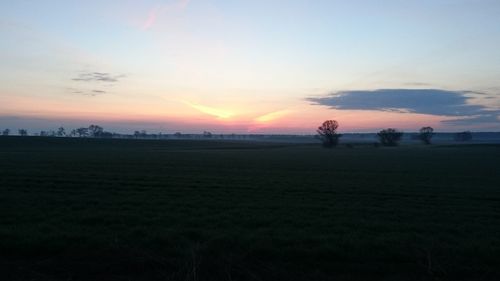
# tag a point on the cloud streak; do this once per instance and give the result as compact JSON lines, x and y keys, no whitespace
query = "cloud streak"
{"x":155,"y":13}
{"x":92,"y":93}
{"x":271,"y":116}
{"x":98,"y":77}
{"x":90,"y":83}
{"x":421,"y":101}
{"x":219,"y":113}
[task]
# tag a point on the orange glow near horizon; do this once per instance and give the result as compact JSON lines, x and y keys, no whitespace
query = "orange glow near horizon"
{"x":187,"y":116}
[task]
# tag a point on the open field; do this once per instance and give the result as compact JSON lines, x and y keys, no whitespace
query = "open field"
{"x":89,"y":209}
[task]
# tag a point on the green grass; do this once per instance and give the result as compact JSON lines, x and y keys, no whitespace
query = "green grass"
{"x":88,"y":209}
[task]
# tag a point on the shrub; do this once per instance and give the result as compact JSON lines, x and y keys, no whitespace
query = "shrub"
{"x":390,"y":137}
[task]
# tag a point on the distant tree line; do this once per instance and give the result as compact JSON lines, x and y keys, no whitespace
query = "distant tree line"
{"x":96,"y":131}
{"x":327,"y":133}
{"x":329,"y":136}
{"x":93,"y":131}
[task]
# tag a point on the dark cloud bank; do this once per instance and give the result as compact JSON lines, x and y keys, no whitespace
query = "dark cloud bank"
{"x":422,"y":101}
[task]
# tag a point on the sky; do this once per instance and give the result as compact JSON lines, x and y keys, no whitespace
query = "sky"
{"x":260,"y":66}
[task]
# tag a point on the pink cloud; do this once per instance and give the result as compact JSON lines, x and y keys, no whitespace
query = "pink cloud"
{"x":156,"y":12}
{"x":182,"y":4}
{"x":153,"y":14}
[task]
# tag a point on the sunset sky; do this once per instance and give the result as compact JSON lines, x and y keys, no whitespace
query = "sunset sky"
{"x":260,"y":66}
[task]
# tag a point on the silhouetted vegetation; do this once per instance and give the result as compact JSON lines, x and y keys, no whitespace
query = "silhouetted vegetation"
{"x":95,"y":131}
{"x":140,"y":134}
{"x":44,"y":134}
{"x":390,"y":137}
{"x":82,"y":132}
{"x":6,"y":132}
{"x":61,"y":132}
{"x":23,"y":132}
{"x":463,"y":136}
{"x":327,"y":133}
{"x":425,"y":134}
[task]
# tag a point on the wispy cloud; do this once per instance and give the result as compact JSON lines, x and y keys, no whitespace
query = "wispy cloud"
{"x":479,"y":119}
{"x":151,"y":19}
{"x":156,"y":12}
{"x":86,"y":92}
{"x":219,"y":113}
{"x":98,"y":77}
{"x":422,"y":101}
{"x":271,"y":116}
{"x":98,"y":92}
{"x":418,"y":84}
{"x":90,"y":83}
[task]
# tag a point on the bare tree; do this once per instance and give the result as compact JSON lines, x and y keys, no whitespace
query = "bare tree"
{"x":426,"y":134}
{"x":61,"y":132}
{"x":23,"y":132}
{"x":390,"y":137}
{"x":82,"y":132}
{"x":6,"y":132}
{"x":95,"y":131}
{"x":327,"y":133}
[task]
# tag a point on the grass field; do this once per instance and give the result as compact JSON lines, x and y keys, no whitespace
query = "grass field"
{"x":89,"y":209}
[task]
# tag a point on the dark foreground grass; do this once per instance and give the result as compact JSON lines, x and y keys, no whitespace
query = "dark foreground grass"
{"x":83,"y":209}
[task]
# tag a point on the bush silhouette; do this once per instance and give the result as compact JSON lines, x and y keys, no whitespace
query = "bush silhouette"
{"x":426,"y":134}
{"x":390,"y":137}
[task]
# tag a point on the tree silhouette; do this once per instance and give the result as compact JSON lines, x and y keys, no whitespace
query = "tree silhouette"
{"x":327,"y":133}
{"x":6,"y":132}
{"x":23,"y":132}
{"x":140,"y":134}
{"x":82,"y":132}
{"x":390,"y":137}
{"x":61,"y":132}
{"x":95,"y":131}
{"x":426,"y":134}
